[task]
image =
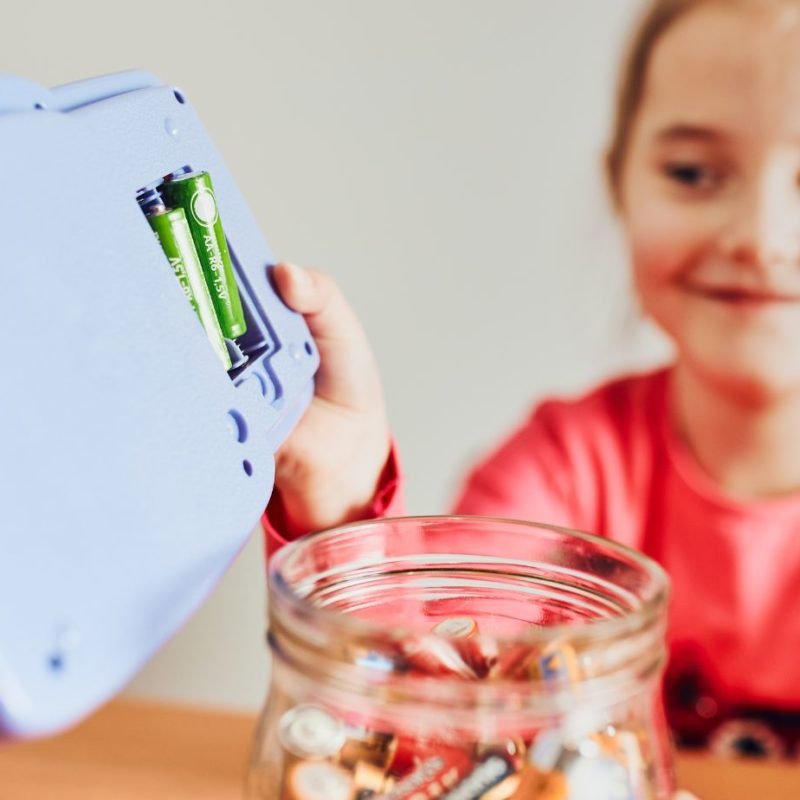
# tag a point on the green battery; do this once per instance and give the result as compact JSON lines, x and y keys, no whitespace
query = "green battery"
{"x":194,"y":193}
{"x":175,"y":237}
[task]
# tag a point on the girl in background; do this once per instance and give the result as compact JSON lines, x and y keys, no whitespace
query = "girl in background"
{"x":697,"y":464}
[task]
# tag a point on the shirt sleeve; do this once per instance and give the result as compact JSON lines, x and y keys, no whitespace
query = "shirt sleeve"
{"x":387,"y":502}
{"x":526,"y":477}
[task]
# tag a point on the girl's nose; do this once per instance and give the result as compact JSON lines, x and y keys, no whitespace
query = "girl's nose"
{"x":764,"y":228}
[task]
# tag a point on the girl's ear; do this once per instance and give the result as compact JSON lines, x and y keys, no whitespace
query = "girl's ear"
{"x":611,"y":173}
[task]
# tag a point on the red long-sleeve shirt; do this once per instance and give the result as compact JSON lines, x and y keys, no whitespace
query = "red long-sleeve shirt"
{"x":609,"y":463}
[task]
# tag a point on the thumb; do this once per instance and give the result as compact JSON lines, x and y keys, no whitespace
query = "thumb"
{"x":296,"y":287}
{"x":348,"y":375}
{"x":315,"y":295}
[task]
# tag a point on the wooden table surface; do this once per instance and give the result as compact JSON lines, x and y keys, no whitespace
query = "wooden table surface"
{"x":132,"y":750}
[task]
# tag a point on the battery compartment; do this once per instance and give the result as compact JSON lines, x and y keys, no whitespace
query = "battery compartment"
{"x":259,"y":339}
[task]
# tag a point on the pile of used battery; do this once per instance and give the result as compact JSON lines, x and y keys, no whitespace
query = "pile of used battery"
{"x":331,"y":754}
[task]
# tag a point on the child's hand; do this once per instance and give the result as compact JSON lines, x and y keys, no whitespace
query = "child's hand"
{"x":327,"y":471}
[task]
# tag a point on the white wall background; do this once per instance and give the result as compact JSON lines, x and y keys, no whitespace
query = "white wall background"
{"x":442,"y":159}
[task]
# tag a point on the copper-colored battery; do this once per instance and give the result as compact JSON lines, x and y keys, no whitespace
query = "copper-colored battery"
{"x":537,"y":785}
{"x":477,"y":651}
{"x":317,"y":780}
{"x":515,"y":663}
{"x":368,"y":778}
{"x":559,"y":664}
{"x":435,"y":656}
{"x":368,"y":747}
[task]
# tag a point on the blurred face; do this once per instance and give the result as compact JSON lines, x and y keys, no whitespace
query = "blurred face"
{"x":710,"y":194}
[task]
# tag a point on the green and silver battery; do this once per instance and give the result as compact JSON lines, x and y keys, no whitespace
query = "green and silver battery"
{"x":175,"y":237}
{"x":194,"y":193}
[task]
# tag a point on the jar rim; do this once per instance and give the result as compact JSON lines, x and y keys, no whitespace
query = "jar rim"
{"x":651,"y":604}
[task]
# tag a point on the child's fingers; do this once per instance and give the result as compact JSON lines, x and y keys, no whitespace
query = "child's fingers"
{"x":684,"y":795}
{"x":347,"y":376}
{"x":297,"y":288}
{"x":316,"y":296}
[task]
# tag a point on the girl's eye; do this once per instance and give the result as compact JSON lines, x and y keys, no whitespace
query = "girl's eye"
{"x":693,"y":176}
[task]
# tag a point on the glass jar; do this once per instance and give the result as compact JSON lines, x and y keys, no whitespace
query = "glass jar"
{"x":463,"y":658}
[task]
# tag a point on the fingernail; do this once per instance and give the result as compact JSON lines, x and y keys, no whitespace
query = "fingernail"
{"x":299,"y":277}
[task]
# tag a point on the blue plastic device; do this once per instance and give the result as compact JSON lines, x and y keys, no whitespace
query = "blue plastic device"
{"x":132,"y":466}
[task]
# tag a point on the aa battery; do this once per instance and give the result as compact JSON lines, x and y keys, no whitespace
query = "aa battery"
{"x":559,"y":664}
{"x":513,"y":750}
{"x":533,"y":783}
{"x":368,"y":779}
{"x":556,"y":664}
{"x":479,"y":653}
{"x":434,"y":655}
{"x":486,"y":775}
{"x":367,"y":747}
{"x":625,"y":747}
{"x":589,"y":774}
{"x":172,"y":231}
{"x":515,"y":662}
{"x":504,"y":790}
{"x":434,"y":775}
{"x":310,"y":731}
{"x":456,"y":628}
{"x":317,"y":780}
{"x":194,"y":193}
